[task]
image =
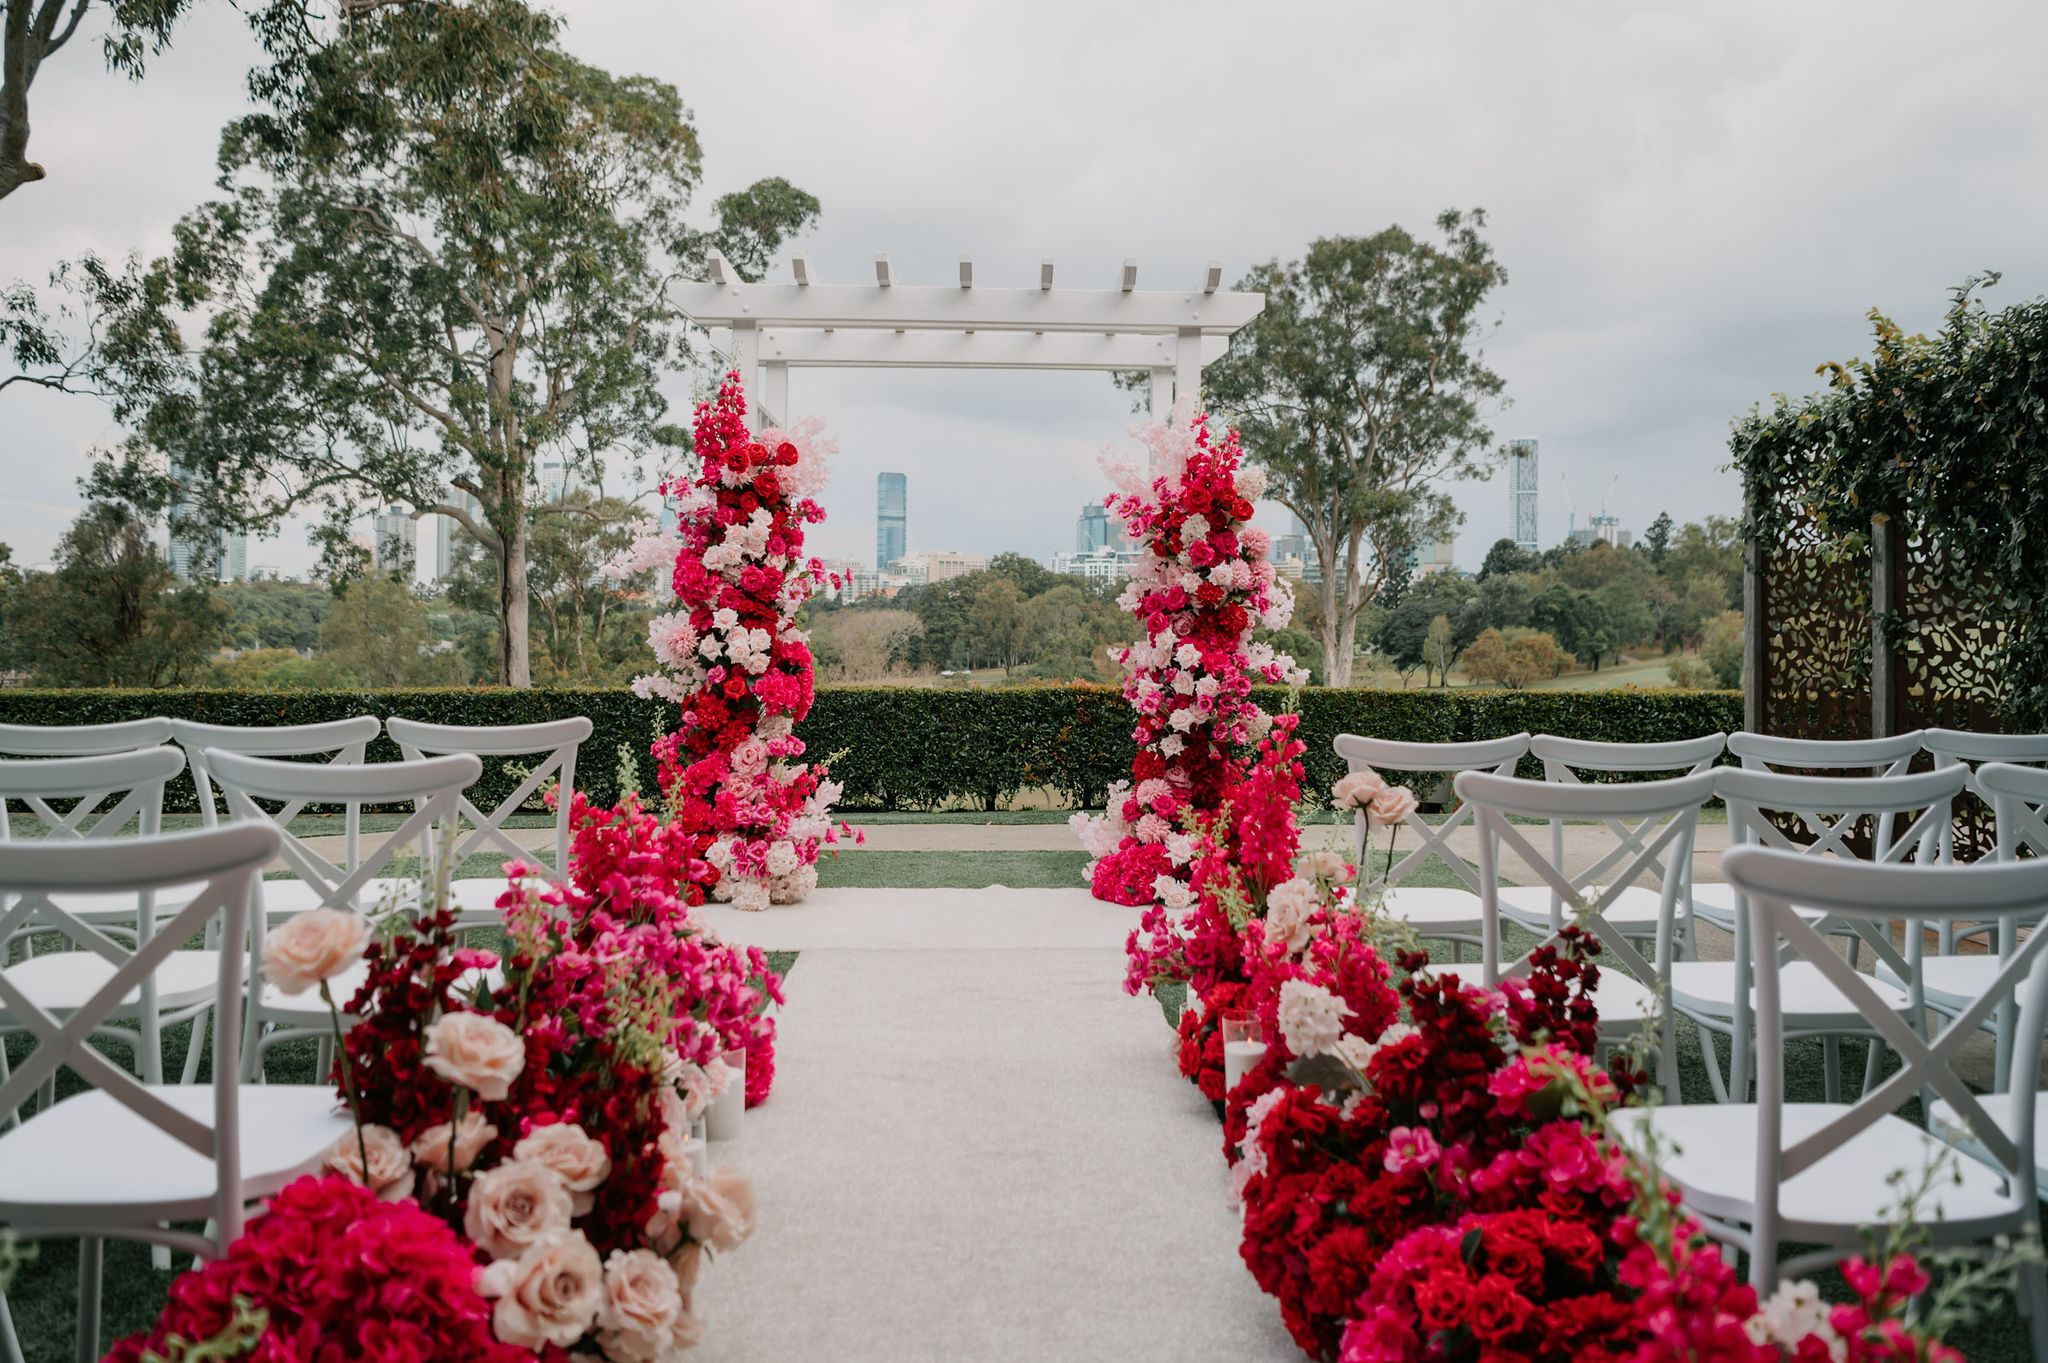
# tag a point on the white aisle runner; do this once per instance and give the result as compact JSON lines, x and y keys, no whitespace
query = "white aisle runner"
{"x":978,"y":1149}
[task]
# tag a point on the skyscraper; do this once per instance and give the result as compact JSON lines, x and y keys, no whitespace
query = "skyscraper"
{"x":394,"y":538}
{"x":1522,"y":491}
{"x":1091,"y":528}
{"x":892,"y":519}
{"x":234,"y":557}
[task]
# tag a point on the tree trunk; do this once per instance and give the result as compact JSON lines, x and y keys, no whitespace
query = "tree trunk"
{"x":1335,"y":632}
{"x":515,"y":662}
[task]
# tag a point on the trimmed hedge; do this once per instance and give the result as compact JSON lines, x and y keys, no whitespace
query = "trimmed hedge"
{"x":911,"y":748}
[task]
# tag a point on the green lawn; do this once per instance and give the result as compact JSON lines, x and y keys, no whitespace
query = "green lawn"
{"x":955,"y":870}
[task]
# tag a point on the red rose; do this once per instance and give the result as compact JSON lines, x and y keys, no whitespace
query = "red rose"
{"x":735,"y":687}
{"x":785,"y":453}
{"x":749,"y":503}
{"x":1497,"y":1309}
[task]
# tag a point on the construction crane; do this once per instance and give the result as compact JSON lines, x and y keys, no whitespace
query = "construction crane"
{"x":1609,"y":495}
{"x":1571,"y":507}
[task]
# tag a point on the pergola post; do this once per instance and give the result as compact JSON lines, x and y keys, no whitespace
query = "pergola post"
{"x":746,"y":357}
{"x":1187,"y":368}
{"x":775,"y":394}
{"x":1162,"y":393}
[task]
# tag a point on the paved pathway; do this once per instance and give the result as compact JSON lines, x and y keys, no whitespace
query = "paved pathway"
{"x":975,"y":1156}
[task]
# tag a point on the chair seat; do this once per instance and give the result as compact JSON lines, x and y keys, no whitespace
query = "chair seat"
{"x":1943,"y":1122}
{"x":90,"y":1161}
{"x":1638,"y":906}
{"x":1951,"y":983}
{"x":60,"y":982}
{"x":309,"y":1009}
{"x":1807,"y":999}
{"x":117,"y":909}
{"x":1709,"y":1155}
{"x":1714,"y":902}
{"x":1623,"y":1003}
{"x":283,"y":898}
{"x":1432,"y":909}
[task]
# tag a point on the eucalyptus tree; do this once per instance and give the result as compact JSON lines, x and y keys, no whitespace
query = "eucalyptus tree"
{"x":1361,"y":388}
{"x":443,"y":253}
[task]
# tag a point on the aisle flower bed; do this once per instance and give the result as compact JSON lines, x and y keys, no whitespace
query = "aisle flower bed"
{"x":1422,"y":1165}
{"x":521,"y":1177}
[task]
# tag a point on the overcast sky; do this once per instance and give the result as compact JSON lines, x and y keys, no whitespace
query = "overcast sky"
{"x":1696,"y":205}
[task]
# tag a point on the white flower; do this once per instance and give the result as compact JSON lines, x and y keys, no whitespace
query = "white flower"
{"x":1794,"y":1312}
{"x":1251,"y":483}
{"x":1355,"y":1051}
{"x":1311,"y":1017}
{"x":1182,"y":720}
{"x":725,"y":618}
{"x":1174,"y":893}
{"x":1172,"y":745}
{"x":1288,"y":906}
{"x":1180,"y":848}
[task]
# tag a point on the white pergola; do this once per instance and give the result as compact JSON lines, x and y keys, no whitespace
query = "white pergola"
{"x":768,"y":329}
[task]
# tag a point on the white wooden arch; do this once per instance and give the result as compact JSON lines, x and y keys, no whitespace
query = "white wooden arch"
{"x":769,"y":329}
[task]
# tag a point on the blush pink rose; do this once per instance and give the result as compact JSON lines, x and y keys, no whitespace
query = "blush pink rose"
{"x":430,"y":1147}
{"x":1390,"y":806}
{"x":549,"y":1295}
{"x":477,"y":1052}
{"x":641,"y":1302}
{"x":580,"y":1162}
{"x":720,"y":1209}
{"x":1357,"y":790}
{"x":389,"y":1175}
{"x":514,"y":1207}
{"x":312,"y":947}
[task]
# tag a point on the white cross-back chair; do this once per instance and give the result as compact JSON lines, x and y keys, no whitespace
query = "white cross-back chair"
{"x":82,"y":740}
{"x":1666,"y":813}
{"x":1908,"y":813}
{"x":108,"y":793}
{"x":554,"y":742}
{"x":1761,"y":1174}
{"x":125,"y":1159}
{"x":1866,"y":756}
{"x":1430,"y":911}
{"x":432,"y":786}
{"x":1636,"y":910}
{"x":2018,"y":797}
{"x":1953,"y":747}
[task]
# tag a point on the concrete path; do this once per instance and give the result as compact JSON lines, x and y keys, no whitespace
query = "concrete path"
{"x":977,"y":1157}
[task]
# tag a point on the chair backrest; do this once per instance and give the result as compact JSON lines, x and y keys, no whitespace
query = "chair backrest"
{"x":2017,"y":796}
{"x":558,"y":739}
{"x":1876,"y":756}
{"x":133,"y":781}
{"x":1667,"y":814}
{"x":432,"y":785}
{"x":1752,"y":795}
{"x":340,"y":741}
{"x":1775,"y":886}
{"x":1360,"y":752}
{"x":1963,"y":747}
{"x":1564,"y":758}
{"x":225,"y":862}
{"x":82,"y":740}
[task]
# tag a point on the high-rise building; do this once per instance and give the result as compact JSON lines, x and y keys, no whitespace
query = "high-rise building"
{"x":892,"y":519}
{"x":557,"y":480}
{"x":1522,"y":491}
{"x":394,"y":538}
{"x":1434,"y":556}
{"x":1091,"y":529}
{"x":446,"y":528}
{"x":234,"y":557}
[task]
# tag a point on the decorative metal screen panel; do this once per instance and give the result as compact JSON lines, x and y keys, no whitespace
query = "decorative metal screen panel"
{"x":1815,"y":668}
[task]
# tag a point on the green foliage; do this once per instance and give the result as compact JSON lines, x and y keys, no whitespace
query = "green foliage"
{"x":446,"y":254}
{"x":1657,"y":539}
{"x":1721,"y":648}
{"x":378,"y":636}
{"x":1506,"y":556}
{"x":1362,"y":390}
{"x":111,"y":614}
{"x":909,"y":748}
{"x":275,"y":614}
{"x":1942,"y":436}
{"x":1016,"y":615}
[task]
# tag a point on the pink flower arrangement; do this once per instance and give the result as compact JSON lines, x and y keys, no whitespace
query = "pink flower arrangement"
{"x":329,"y":1271}
{"x":732,"y":657}
{"x":1201,"y":589}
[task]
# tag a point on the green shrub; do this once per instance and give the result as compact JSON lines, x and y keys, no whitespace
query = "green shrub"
{"x":911,"y":748}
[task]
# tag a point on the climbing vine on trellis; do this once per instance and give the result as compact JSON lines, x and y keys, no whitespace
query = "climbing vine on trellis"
{"x":1941,"y":444}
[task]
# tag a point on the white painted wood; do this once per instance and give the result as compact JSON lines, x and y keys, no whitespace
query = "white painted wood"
{"x":82,"y":740}
{"x":1187,"y":368}
{"x":718,"y":268}
{"x":966,"y":272}
{"x":1164,"y":311}
{"x":1162,"y":392}
{"x":885,"y":275}
{"x":1130,"y":277}
{"x":746,"y":357}
{"x":1212,"y":278}
{"x":775,"y":393}
{"x":1045,"y":273}
{"x":870,"y":348}
{"x":800,"y":266}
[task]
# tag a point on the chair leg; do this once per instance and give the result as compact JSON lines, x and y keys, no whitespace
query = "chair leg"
{"x":1831,"y":1067}
{"x":90,"y":1253}
{"x":10,"y":1344}
{"x":1713,"y":1064}
{"x":195,"y":1046}
{"x":2034,"y":1287}
{"x":1873,"y":1065}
